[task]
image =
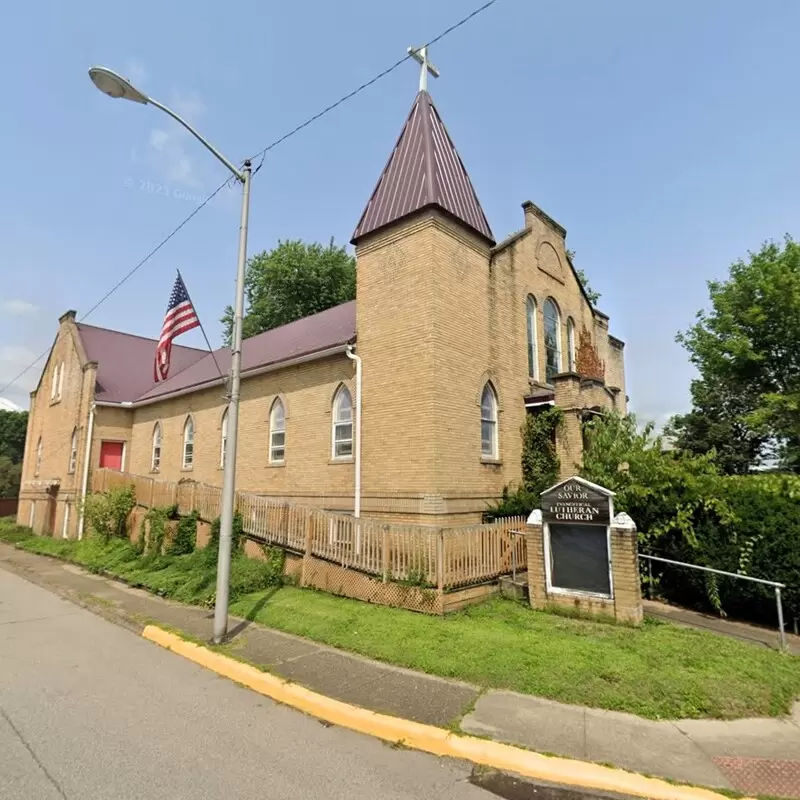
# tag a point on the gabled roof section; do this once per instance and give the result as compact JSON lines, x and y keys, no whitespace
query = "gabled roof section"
{"x":305,"y":338}
{"x":424,"y":170}
{"x":125,"y":362}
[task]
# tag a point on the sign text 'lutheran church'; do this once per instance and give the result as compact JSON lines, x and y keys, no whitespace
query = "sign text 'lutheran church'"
{"x":573,"y":501}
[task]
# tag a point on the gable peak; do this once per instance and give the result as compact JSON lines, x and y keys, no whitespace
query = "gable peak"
{"x":423,"y":171}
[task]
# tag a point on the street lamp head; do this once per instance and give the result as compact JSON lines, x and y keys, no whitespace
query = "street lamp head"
{"x":108,"y":82}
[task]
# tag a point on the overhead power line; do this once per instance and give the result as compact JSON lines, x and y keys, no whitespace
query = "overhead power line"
{"x":260,"y":154}
{"x":370,"y":82}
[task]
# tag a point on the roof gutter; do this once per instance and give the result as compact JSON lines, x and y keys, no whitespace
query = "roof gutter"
{"x":251,"y":373}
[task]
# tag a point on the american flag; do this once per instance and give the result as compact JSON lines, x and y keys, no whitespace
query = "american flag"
{"x":180,"y":317}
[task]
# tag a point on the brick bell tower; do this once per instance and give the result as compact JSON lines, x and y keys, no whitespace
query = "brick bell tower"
{"x":423,"y":248}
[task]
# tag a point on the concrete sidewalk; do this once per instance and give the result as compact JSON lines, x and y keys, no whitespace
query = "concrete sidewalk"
{"x":758,"y":756}
{"x":754,"y":634}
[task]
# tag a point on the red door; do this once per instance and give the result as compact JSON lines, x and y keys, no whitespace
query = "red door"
{"x":111,"y":455}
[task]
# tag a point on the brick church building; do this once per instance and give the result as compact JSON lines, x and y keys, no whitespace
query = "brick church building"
{"x":459,"y":337}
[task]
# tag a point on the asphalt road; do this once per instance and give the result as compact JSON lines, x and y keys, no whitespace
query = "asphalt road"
{"x":89,"y":711}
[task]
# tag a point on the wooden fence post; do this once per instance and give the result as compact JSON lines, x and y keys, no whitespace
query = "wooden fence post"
{"x":308,"y":544}
{"x":440,"y":562}
{"x":385,"y":553}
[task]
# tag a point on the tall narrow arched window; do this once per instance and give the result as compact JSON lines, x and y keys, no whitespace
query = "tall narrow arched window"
{"x":73,"y":451}
{"x":188,"y":443}
{"x":54,"y":382}
{"x":223,"y":444}
{"x":277,"y":432}
{"x":533,"y":350}
{"x":39,"y":451}
{"x":60,"y":381}
{"x":342,"y":424}
{"x":489,"y":447}
{"x":155,"y":456}
{"x":552,"y":339}
{"x":570,"y":345}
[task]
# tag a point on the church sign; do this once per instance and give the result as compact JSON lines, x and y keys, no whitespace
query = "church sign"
{"x":574,"y":501}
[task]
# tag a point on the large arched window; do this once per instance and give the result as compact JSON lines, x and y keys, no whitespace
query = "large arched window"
{"x":342,"y":424}
{"x":155,"y":456}
{"x":188,"y":443}
{"x":489,"y":447}
{"x":39,"y":451}
{"x":277,"y":432}
{"x":533,"y":351}
{"x":73,"y":451}
{"x":552,"y":339}
{"x":570,"y":345}
{"x":223,"y":444}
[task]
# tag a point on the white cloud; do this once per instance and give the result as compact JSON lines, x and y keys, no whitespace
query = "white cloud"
{"x":167,"y":147}
{"x":19,"y":307}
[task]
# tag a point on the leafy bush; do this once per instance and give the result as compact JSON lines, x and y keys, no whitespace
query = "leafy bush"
{"x":237,"y":537}
{"x":687,"y":511}
{"x":106,"y":513}
{"x":185,"y":578}
{"x":156,"y":519}
{"x":185,"y":536}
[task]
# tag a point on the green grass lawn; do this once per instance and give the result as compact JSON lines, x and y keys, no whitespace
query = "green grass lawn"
{"x":657,"y":671}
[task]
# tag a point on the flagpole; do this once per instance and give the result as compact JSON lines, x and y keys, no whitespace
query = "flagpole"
{"x":202,"y":329}
{"x":229,"y":475}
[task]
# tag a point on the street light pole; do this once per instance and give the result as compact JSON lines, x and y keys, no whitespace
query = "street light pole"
{"x":115,"y":85}
{"x":229,"y":474}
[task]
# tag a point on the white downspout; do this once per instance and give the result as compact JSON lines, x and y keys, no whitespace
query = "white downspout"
{"x":86,"y":461}
{"x":357,"y":500}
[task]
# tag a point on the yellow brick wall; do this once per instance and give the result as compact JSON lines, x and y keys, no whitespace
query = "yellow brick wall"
{"x":396,"y":309}
{"x":54,"y":420}
{"x":112,"y":425}
{"x":308,"y":471}
{"x":438,"y":314}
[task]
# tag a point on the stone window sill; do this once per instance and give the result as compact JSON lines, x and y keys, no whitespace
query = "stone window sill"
{"x":276,"y":464}
{"x":343,"y":460}
{"x":491,"y":462}
{"x":187,"y":469}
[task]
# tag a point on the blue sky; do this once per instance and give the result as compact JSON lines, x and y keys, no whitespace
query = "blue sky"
{"x":662,"y":135}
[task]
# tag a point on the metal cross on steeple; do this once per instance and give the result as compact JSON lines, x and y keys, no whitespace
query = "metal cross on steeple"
{"x":420,"y":55}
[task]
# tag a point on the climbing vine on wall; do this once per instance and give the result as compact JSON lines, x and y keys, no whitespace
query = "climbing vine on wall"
{"x":588,"y":363}
{"x":540,"y":466}
{"x":540,"y":462}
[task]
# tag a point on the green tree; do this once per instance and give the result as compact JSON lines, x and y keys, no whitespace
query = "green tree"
{"x":747,"y":351}
{"x":717,"y":423}
{"x":584,"y":281}
{"x":10,"y":477}
{"x":670,"y":495}
{"x":292,"y":281}
{"x":13,"y":426}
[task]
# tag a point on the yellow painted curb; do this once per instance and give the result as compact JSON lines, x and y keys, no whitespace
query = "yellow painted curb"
{"x":429,"y":738}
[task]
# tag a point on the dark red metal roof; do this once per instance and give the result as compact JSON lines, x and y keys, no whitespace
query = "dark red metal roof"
{"x":125,"y":362}
{"x":424,"y":170}
{"x":304,"y":337}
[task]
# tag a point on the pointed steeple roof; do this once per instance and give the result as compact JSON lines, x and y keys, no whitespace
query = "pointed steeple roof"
{"x":424,"y":170}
